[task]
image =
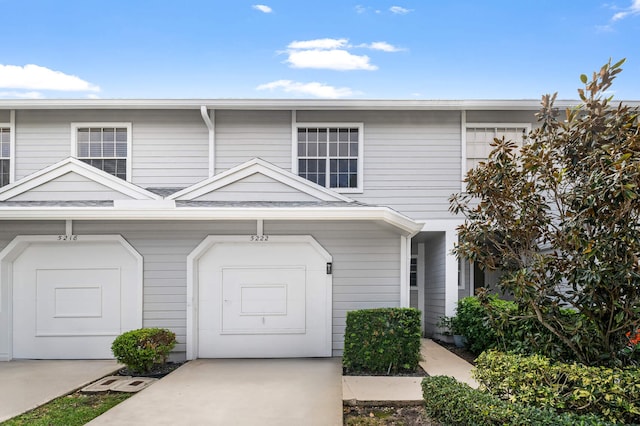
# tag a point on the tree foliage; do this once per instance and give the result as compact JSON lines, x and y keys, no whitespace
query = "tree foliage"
{"x":560,"y":218}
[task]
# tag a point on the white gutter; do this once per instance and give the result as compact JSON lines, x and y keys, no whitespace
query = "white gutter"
{"x":212,"y":137}
{"x":382,"y":214}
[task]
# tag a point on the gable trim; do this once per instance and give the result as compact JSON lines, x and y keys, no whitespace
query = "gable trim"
{"x":75,"y":166}
{"x":265,"y":168}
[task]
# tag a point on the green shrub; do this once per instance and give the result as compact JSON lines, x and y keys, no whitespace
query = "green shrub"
{"x":612,"y":393}
{"x":380,"y":341}
{"x":141,"y":349}
{"x":453,"y":403}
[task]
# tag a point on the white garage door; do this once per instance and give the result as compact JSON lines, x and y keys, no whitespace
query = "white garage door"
{"x":71,"y":299}
{"x":264,"y":299}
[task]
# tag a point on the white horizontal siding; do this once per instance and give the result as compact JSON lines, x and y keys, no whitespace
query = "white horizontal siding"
{"x":169,"y":148}
{"x":244,"y":135}
{"x":70,"y":187}
{"x":256,"y":187}
{"x":434,"y":283}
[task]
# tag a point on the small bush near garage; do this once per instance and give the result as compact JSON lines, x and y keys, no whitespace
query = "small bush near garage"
{"x":612,"y":393}
{"x":382,"y":341}
{"x":141,"y":349}
{"x":453,"y":403}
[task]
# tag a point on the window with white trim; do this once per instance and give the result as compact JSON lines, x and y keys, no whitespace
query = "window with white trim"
{"x":5,"y":156}
{"x":106,"y":146}
{"x":480,"y":136}
{"x":331,"y":155}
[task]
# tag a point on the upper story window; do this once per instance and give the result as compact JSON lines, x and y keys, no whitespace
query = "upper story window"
{"x":331,"y":155}
{"x":5,"y":156}
{"x":106,"y":146}
{"x":480,"y":136}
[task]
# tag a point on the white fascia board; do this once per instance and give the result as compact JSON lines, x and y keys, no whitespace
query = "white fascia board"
{"x":288,"y":104}
{"x":76,"y":166}
{"x":439,"y":225}
{"x":251,"y":167}
{"x":383,"y":214}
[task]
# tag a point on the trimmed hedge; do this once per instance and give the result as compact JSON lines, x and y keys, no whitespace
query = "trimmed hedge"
{"x":612,"y":393}
{"x":380,"y":341}
{"x":141,"y":349}
{"x":453,"y":403}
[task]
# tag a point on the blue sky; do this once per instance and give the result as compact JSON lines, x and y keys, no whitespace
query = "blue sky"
{"x":414,"y":49}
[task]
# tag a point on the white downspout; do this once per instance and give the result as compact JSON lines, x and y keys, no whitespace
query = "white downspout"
{"x":212,"y":136}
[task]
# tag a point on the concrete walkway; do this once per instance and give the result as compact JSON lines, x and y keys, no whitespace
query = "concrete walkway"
{"x":437,"y":361}
{"x":238,"y":392}
{"x":27,"y":384}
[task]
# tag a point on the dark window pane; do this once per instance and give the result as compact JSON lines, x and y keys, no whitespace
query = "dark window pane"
{"x":312,"y":149}
{"x":333,"y":135}
{"x":83,"y":135}
{"x":95,"y":150}
{"x":108,"y":135}
{"x":313,"y":177}
{"x":343,"y":165}
{"x":333,"y":166}
{"x":322,"y":166}
{"x":343,"y":150}
{"x":108,"y":149}
{"x":353,"y":166}
{"x":4,"y":172}
{"x":321,"y":179}
{"x":353,"y":180}
{"x":344,"y":135}
{"x":353,"y":149}
{"x":110,"y":166}
{"x":121,"y":134}
{"x":302,"y":149}
{"x":334,"y":180}
{"x":353,"y":135}
{"x":333,"y":149}
{"x":302,"y":166}
{"x":343,"y":181}
{"x":312,"y":166}
{"x":121,"y":149}
{"x":4,"y":149}
{"x":95,"y":135}
{"x":302,"y":135}
{"x":312,"y":135}
{"x":83,"y":149}
{"x":322,"y":135}
{"x":322,"y":149}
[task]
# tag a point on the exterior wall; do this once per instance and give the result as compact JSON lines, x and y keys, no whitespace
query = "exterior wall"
{"x":244,"y":135}
{"x":434,"y":283}
{"x":4,"y":116}
{"x":170,"y":148}
{"x":70,"y":187}
{"x":502,"y":117}
{"x":366,"y":262}
{"x":412,"y":159}
{"x":256,"y":188}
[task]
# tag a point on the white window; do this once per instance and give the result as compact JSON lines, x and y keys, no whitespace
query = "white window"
{"x":480,"y":136}
{"x":330,"y":155}
{"x":5,"y":156}
{"x":106,"y":146}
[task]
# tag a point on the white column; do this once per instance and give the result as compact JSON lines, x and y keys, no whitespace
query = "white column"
{"x":405,"y":264}
{"x":451,"y":274}
{"x":420,"y":281}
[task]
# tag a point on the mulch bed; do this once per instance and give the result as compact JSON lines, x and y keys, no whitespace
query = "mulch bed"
{"x":419,"y":372}
{"x":157,"y":372}
{"x":387,"y":416}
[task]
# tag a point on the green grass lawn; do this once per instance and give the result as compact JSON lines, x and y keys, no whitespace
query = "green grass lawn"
{"x":75,"y":409}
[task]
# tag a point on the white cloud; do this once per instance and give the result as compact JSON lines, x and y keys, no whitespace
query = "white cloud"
{"x":262,"y":8}
{"x":632,"y":10}
{"x":21,"y":95}
{"x":35,"y":77}
{"x":382,"y":45}
{"x":334,"y":59}
{"x":360,"y":9}
{"x":326,"y":53}
{"x":398,"y":10}
{"x":316,"y":89}
{"x":321,"y":43}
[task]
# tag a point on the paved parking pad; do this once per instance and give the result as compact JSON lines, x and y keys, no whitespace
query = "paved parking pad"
{"x":27,"y":384}
{"x":238,"y":392}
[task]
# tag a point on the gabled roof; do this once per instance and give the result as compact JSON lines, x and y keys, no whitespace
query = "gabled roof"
{"x":284,"y":181}
{"x":87,"y":174}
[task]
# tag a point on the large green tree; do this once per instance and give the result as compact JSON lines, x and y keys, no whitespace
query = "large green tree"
{"x":560,"y":218}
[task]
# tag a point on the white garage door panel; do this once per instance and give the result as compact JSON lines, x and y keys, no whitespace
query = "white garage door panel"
{"x":77,"y":302}
{"x":70,"y":300}
{"x":263,"y":300}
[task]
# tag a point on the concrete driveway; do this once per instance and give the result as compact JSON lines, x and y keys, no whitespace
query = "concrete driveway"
{"x":26,"y":384}
{"x":238,"y":392}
